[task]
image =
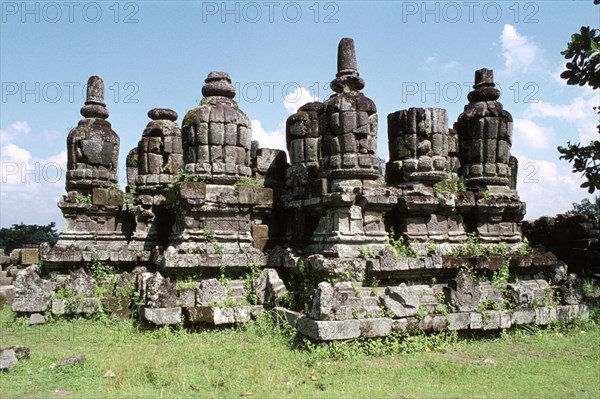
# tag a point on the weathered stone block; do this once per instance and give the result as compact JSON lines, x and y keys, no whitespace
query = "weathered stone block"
{"x":162,"y":316}
{"x":269,"y":288}
{"x":187,"y":297}
{"x":523,"y":316}
{"x":329,"y":330}
{"x":211,"y":315}
{"x":161,"y":292}
{"x":377,"y":327}
{"x":8,"y":359}
{"x":30,"y":304}
{"x":29,"y":256}
{"x":544,"y":315}
{"x":76,"y":305}
{"x":491,"y":319}
{"x":459,"y":321}
{"x":100,"y":196}
{"x":260,"y":236}
{"x":36,"y":319}
{"x":192,"y":190}
{"x":81,"y":283}
{"x":464,"y":293}
{"x":245,"y":194}
{"x":210,"y":292}
{"x":401,"y":301}
{"x":264,"y":196}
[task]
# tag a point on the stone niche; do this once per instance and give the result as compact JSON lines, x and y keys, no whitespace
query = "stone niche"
{"x":212,"y":229}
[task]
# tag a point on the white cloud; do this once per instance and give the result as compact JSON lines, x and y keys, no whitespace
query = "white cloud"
{"x":298,"y":98}
{"x":548,"y":188}
{"x":15,"y":130}
{"x":535,"y":135}
{"x":30,"y":186}
{"x":450,"y":66}
{"x":269,"y":139}
{"x":519,"y":52}
{"x":276,"y":138}
{"x":579,"y":112}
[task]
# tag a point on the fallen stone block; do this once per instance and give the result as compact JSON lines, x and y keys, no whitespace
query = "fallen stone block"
{"x":464,"y":293}
{"x":218,"y":315}
{"x":329,"y":330}
{"x":36,"y":319}
{"x":290,"y":316}
{"x":21,"y":352}
{"x":523,"y":316}
{"x":210,"y":292}
{"x":8,"y":359}
{"x":401,"y":301}
{"x":30,"y":304}
{"x":29,"y":256}
{"x":69,"y":361}
{"x":162,"y":316}
{"x":491,"y":319}
{"x":161,"y":292}
{"x":458,"y":321}
{"x":76,"y":305}
{"x":186,"y":297}
{"x":377,"y":327}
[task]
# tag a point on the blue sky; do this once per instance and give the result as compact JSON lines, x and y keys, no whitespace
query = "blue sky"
{"x":280,"y":55}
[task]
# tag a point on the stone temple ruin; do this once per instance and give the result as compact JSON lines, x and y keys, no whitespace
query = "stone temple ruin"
{"x":211,"y":229}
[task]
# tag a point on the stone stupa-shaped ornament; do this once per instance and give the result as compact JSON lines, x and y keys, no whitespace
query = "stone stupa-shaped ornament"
{"x":92,"y":146}
{"x":485,"y":135}
{"x":349,"y":123}
{"x":217,"y":135}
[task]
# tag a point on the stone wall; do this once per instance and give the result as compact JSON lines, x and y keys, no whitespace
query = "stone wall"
{"x":573,"y":239}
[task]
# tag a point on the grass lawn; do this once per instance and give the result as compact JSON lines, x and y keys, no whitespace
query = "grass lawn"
{"x":260,"y":360}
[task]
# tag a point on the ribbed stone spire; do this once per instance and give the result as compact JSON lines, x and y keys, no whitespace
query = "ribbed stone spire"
{"x":347,"y":77}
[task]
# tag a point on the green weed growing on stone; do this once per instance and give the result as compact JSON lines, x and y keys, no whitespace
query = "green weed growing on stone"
{"x":500,"y":278}
{"x":253,"y":273}
{"x":83,"y":199}
{"x":524,"y":248}
{"x":246,"y":181}
{"x":450,"y":185}
{"x":402,"y":249}
{"x":364,"y":252}
{"x":99,"y":270}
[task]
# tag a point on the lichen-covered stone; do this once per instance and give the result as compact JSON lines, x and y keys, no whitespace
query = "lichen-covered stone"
{"x":162,"y":316}
{"x":32,"y":293}
{"x":210,"y":292}
{"x":80,"y":282}
{"x":464,"y":293}
{"x":401,"y":301}
{"x":161,"y":292}
{"x":269,"y":288}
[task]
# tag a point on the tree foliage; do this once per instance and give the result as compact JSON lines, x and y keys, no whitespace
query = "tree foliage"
{"x":586,"y":207}
{"x":27,"y":235}
{"x":583,"y":51}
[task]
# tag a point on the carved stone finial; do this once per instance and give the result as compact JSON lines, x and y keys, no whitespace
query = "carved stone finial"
{"x":94,"y":105}
{"x":157,"y":114}
{"x":347,"y":77}
{"x":346,"y":57}
{"x":484,"y":87}
{"x":218,"y":84}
